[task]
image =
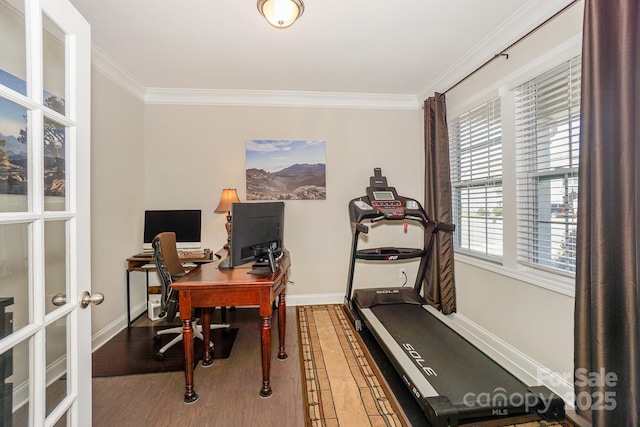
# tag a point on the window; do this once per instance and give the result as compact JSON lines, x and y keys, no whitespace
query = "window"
{"x":547,"y":146}
{"x":475,"y":141}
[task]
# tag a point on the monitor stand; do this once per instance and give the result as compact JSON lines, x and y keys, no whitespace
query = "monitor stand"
{"x":260,"y":271}
{"x":265,"y":267}
{"x":225,"y":263}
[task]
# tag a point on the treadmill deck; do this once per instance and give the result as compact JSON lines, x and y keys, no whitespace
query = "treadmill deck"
{"x":450,"y":378}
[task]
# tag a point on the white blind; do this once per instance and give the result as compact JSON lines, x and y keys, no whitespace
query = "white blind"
{"x":547,"y":145}
{"x":475,"y":141}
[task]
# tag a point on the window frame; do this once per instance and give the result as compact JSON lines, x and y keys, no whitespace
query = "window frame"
{"x":483,"y":120}
{"x":480,"y":91}
{"x":547,"y":111}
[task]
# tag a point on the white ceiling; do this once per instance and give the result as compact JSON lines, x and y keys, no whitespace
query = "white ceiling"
{"x":399,"y":47}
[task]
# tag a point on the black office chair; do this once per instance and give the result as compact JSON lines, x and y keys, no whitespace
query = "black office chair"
{"x":169,"y":267}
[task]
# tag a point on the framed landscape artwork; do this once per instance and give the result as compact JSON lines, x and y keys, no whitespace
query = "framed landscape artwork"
{"x":285,"y":170}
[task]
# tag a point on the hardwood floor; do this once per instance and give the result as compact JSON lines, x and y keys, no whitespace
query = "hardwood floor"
{"x":228,"y":390}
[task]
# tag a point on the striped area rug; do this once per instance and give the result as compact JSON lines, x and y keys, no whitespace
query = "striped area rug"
{"x":342,"y":385}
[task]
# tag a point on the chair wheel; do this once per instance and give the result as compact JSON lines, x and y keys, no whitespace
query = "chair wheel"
{"x":159,"y":356}
{"x":156,"y":338}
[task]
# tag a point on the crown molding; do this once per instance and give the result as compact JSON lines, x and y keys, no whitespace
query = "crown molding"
{"x":532,"y":13}
{"x":106,"y":65}
{"x":115,"y":72}
{"x":268,"y":98}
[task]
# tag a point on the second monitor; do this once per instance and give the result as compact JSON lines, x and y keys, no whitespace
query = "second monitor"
{"x":257,"y":234}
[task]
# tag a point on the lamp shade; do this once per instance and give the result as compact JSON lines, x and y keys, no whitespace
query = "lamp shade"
{"x":281,"y":13}
{"x":229,"y":196}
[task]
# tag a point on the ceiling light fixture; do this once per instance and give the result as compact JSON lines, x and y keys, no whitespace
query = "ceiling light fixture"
{"x":281,"y":13}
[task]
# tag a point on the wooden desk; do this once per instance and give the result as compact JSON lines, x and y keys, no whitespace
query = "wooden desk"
{"x":146,"y":264}
{"x":206,"y":286}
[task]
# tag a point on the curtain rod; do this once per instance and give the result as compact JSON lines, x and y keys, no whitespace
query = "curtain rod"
{"x":503,"y":52}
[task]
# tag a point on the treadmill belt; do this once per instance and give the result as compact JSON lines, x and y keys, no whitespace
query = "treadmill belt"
{"x":461,"y":372}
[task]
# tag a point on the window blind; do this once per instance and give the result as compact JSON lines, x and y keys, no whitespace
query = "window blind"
{"x":475,"y":141}
{"x":547,"y":146}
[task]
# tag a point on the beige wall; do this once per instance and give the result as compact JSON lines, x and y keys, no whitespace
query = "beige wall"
{"x":193,"y":152}
{"x":117,"y":194}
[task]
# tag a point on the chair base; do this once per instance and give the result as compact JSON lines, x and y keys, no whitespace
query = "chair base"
{"x":197,"y":333}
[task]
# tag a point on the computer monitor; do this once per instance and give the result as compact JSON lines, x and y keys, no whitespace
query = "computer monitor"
{"x":186,"y":223}
{"x":257,"y":233}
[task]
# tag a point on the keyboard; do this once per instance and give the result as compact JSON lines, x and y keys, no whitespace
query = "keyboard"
{"x":144,"y":255}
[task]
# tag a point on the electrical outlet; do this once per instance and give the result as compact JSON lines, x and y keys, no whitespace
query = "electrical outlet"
{"x":401,"y":273}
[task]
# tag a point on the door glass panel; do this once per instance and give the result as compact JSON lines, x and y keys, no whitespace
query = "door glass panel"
{"x":14,"y":155}
{"x":54,"y":165}
{"x":63,"y":421}
{"x":6,"y":363}
{"x":56,"y":339}
{"x":14,"y":272}
{"x":55,"y":273}
{"x":16,"y":386}
{"x":13,"y":68}
{"x":54,"y":71}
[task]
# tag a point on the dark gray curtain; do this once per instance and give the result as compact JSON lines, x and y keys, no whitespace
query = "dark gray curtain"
{"x":607,"y":336}
{"x":440,"y":290}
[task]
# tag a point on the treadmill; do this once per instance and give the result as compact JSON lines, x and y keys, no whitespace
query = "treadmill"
{"x":450,"y":378}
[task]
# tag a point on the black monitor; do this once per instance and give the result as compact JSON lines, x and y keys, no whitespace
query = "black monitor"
{"x":257,"y":232}
{"x":186,"y":223}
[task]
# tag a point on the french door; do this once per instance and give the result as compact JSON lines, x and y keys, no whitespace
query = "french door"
{"x":45,"y":335}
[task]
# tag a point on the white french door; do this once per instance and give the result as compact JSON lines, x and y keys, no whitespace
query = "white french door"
{"x":45,"y":335}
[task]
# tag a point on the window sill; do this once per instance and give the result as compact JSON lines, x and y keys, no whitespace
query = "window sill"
{"x":553,"y":282}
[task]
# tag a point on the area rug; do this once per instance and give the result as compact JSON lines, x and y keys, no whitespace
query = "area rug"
{"x":132,"y":351}
{"x":341,"y":384}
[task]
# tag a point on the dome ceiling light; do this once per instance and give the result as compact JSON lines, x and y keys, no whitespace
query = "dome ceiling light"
{"x":281,"y":13}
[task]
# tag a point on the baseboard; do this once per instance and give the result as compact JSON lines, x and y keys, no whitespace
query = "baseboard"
{"x":577,"y":419}
{"x":102,"y":336}
{"x":314,"y":299}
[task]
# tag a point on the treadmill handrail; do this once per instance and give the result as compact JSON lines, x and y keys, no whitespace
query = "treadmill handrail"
{"x":362,"y":228}
{"x":443,"y":226}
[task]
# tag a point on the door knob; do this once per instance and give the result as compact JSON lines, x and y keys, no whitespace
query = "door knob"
{"x":86,"y":298}
{"x":59,"y":300}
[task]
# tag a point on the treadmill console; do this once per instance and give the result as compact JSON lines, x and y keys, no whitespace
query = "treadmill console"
{"x":383,"y":202}
{"x":387,"y":203}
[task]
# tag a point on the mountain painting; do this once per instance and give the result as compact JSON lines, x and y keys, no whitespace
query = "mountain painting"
{"x":286,"y":170}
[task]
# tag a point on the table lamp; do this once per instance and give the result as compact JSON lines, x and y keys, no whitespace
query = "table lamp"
{"x":229,"y":196}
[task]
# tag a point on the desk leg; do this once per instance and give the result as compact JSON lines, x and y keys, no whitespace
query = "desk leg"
{"x":190,"y":394}
{"x":128,"y":300}
{"x":207,"y":359}
{"x":266,"y":356}
{"x":282,"y":325}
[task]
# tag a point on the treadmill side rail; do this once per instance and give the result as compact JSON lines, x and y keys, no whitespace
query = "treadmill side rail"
{"x":441,"y":412}
{"x":550,"y":405}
